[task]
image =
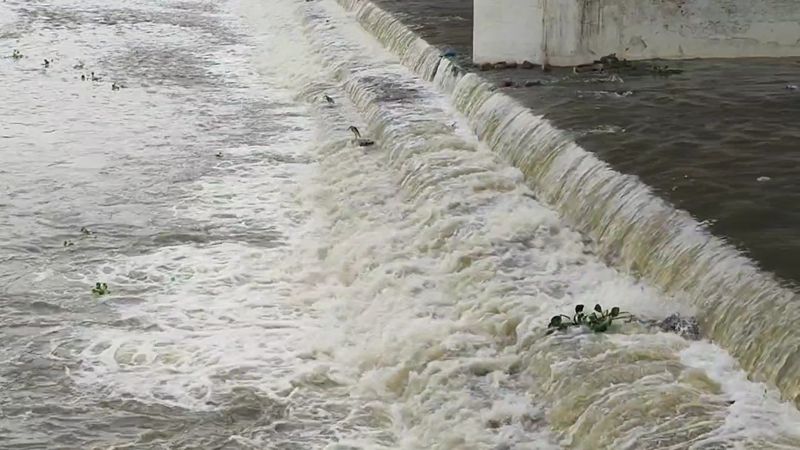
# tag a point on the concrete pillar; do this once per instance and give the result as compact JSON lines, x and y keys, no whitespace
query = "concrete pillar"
{"x":507,"y":30}
{"x":570,"y":32}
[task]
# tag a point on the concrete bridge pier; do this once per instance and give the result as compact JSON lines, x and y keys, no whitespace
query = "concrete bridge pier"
{"x":571,"y":32}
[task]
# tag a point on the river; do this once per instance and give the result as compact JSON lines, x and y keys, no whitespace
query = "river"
{"x":273,"y":285}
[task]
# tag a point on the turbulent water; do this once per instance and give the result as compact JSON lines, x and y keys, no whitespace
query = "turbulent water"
{"x":273,"y":285}
{"x":717,"y":140}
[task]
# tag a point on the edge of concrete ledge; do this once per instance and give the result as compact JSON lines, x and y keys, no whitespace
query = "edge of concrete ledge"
{"x":654,"y":241}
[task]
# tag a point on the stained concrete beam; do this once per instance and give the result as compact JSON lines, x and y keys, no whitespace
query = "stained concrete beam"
{"x":570,"y":32}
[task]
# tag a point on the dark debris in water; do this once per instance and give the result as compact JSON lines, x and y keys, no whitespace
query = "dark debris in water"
{"x":686,"y":327}
{"x":612,"y":64}
{"x":365,"y":142}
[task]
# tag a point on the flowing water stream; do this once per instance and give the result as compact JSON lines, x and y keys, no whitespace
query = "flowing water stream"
{"x":275,"y":286}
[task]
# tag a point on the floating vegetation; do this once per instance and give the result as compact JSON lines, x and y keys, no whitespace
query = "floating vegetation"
{"x":68,"y":243}
{"x":100,"y":289}
{"x":86,"y":231}
{"x":328,"y":99}
{"x":16,"y":54}
{"x":598,"y":321}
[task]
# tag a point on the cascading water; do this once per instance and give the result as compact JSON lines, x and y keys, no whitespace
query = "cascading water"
{"x":459,"y":291}
{"x":275,"y":285}
{"x":745,"y":310}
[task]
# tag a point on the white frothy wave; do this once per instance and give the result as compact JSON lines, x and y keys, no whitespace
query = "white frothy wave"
{"x":583,"y":285}
{"x":417,"y":283}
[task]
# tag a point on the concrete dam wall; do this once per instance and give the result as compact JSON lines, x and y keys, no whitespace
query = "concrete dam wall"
{"x":569,"y":32}
{"x":631,"y":225}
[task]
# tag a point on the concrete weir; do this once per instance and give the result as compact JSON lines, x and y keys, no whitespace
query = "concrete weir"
{"x":571,"y":32}
{"x":747,"y":311}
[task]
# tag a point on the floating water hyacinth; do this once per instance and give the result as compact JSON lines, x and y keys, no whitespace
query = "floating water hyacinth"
{"x":598,"y":321}
{"x":100,"y":289}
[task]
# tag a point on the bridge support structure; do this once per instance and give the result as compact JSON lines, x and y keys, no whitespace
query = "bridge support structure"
{"x":571,"y":32}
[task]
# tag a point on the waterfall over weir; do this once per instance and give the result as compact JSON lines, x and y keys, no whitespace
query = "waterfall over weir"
{"x":745,"y":310}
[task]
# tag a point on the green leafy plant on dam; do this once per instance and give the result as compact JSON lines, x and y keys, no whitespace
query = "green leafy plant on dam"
{"x":599,"y":320}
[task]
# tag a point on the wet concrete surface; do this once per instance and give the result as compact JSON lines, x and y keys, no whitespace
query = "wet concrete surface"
{"x":720,"y":140}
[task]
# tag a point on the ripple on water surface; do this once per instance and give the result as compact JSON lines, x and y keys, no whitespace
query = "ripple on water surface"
{"x":718,"y":140}
{"x":273,"y":286}
{"x":192,"y":346}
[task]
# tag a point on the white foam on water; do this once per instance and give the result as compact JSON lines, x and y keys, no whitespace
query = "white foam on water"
{"x":460,"y":298}
{"x":233,"y":308}
{"x":7,"y":18}
{"x":210,"y":317}
{"x":406,"y":286}
{"x":199,"y":321}
{"x":758,"y":412}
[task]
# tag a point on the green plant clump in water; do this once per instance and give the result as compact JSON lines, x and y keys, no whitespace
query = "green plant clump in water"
{"x":16,"y":54}
{"x":598,"y":321}
{"x":100,"y":289}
